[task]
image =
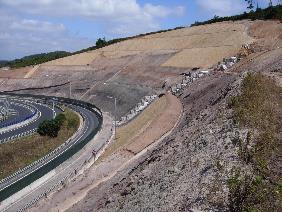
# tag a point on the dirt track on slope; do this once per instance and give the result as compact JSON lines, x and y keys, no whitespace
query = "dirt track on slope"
{"x":106,"y":169}
{"x":161,"y":125}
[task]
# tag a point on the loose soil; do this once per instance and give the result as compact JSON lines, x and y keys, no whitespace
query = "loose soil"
{"x":109,"y":166}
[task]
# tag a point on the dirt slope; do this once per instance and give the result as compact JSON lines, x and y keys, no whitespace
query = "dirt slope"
{"x":134,"y":68}
{"x":190,"y":170}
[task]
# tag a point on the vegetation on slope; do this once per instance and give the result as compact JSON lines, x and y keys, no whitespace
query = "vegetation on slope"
{"x":35,"y":59}
{"x":22,"y":152}
{"x":273,"y":12}
{"x":51,"y":127}
{"x":258,"y":109}
{"x":126,"y":134}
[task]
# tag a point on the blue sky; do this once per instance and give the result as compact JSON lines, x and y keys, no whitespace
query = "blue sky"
{"x":29,"y":26}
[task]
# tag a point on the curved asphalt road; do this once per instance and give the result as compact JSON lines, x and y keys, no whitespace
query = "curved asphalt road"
{"x":22,"y":113}
{"x":45,"y":113}
{"x":91,"y":122}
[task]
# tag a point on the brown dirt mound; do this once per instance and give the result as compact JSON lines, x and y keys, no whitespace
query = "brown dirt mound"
{"x":267,"y":33}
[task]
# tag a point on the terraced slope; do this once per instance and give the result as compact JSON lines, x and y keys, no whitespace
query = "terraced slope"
{"x":131,"y":69}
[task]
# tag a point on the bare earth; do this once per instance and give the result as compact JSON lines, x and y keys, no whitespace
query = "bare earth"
{"x":114,"y":163}
{"x":134,"y":68}
{"x":184,"y":171}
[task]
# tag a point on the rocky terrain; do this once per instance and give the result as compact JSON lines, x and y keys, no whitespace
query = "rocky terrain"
{"x":193,"y":168}
{"x":132,"y":69}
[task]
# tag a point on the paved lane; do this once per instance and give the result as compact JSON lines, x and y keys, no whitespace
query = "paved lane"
{"x":45,"y":113}
{"x":91,"y":124}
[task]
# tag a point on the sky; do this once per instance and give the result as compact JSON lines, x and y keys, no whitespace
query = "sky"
{"x":37,"y":26}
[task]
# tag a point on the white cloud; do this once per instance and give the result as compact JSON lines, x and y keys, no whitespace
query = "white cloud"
{"x":124,"y":15}
{"x":223,"y":7}
{"x":22,"y":34}
{"x":20,"y":37}
{"x":37,"y":26}
{"x":92,"y":8}
{"x":161,"y":11}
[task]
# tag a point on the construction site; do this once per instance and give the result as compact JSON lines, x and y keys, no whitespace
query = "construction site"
{"x":167,"y":96}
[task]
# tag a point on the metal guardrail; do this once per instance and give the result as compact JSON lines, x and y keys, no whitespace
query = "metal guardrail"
{"x":48,"y":166}
{"x":20,"y":120}
{"x":64,"y":180}
{"x":27,"y":133}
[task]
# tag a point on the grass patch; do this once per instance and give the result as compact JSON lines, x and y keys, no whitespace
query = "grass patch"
{"x":128,"y":132}
{"x":258,"y":108}
{"x":22,"y":152}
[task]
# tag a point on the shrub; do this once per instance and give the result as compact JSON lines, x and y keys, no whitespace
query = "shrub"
{"x":258,"y":108}
{"x":274,"y":12}
{"x":49,"y":128}
{"x":233,"y":101}
{"x":60,"y":119}
{"x":72,"y":120}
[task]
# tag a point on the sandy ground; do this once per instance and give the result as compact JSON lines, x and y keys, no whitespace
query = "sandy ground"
{"x":209,"y":56}
{"x":129,"y":133}
{"x":18,"y":73}
{"x":31,"y":72}
{"x":228,"y":36}
{"x":268,"y":34}
{"x":78,"y":59}
{"x":101,"y":172}
{"x":159,"y":126}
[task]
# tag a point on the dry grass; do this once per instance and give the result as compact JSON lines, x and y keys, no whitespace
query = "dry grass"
{"x":258,"y":108}
{"x":127,"y":133}
{"x":218,"y":34}
{"x":78,"y":59}
{"x":20,"y":153}
{"x":201,"y":57}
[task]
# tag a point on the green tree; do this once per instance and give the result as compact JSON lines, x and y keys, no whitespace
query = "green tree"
{"x":60,"y":119}
{"x":49,"y":128}
{"x":101,"y":42}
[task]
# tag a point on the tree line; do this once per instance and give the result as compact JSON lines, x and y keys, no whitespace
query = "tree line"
{"x":35,"y":59}
{"x":272,"y":12}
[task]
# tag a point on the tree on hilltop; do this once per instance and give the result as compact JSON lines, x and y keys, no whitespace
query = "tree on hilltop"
{"x":101,"y":42}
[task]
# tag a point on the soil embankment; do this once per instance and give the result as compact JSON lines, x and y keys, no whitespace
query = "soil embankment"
{"x":135,"y":68}
{"x":118,"y":159}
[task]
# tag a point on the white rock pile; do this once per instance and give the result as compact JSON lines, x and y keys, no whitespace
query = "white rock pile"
{"x":145,"y":102}
{"x":226,"y":64}
{"x":188,"y":79}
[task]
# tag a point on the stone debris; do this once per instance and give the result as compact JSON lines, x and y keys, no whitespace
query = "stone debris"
{"x":188,"y":78}
{"x":226,"y":63}
{"x":229,"y":62}
{"x":145,"y":102}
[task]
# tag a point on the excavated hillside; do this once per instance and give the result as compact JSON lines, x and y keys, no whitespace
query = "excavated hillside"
{"x":196,"y":167}
{"x":132,"y":69}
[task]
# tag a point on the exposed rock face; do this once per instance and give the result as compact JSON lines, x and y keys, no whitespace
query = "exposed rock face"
{"x":189,"y":171}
